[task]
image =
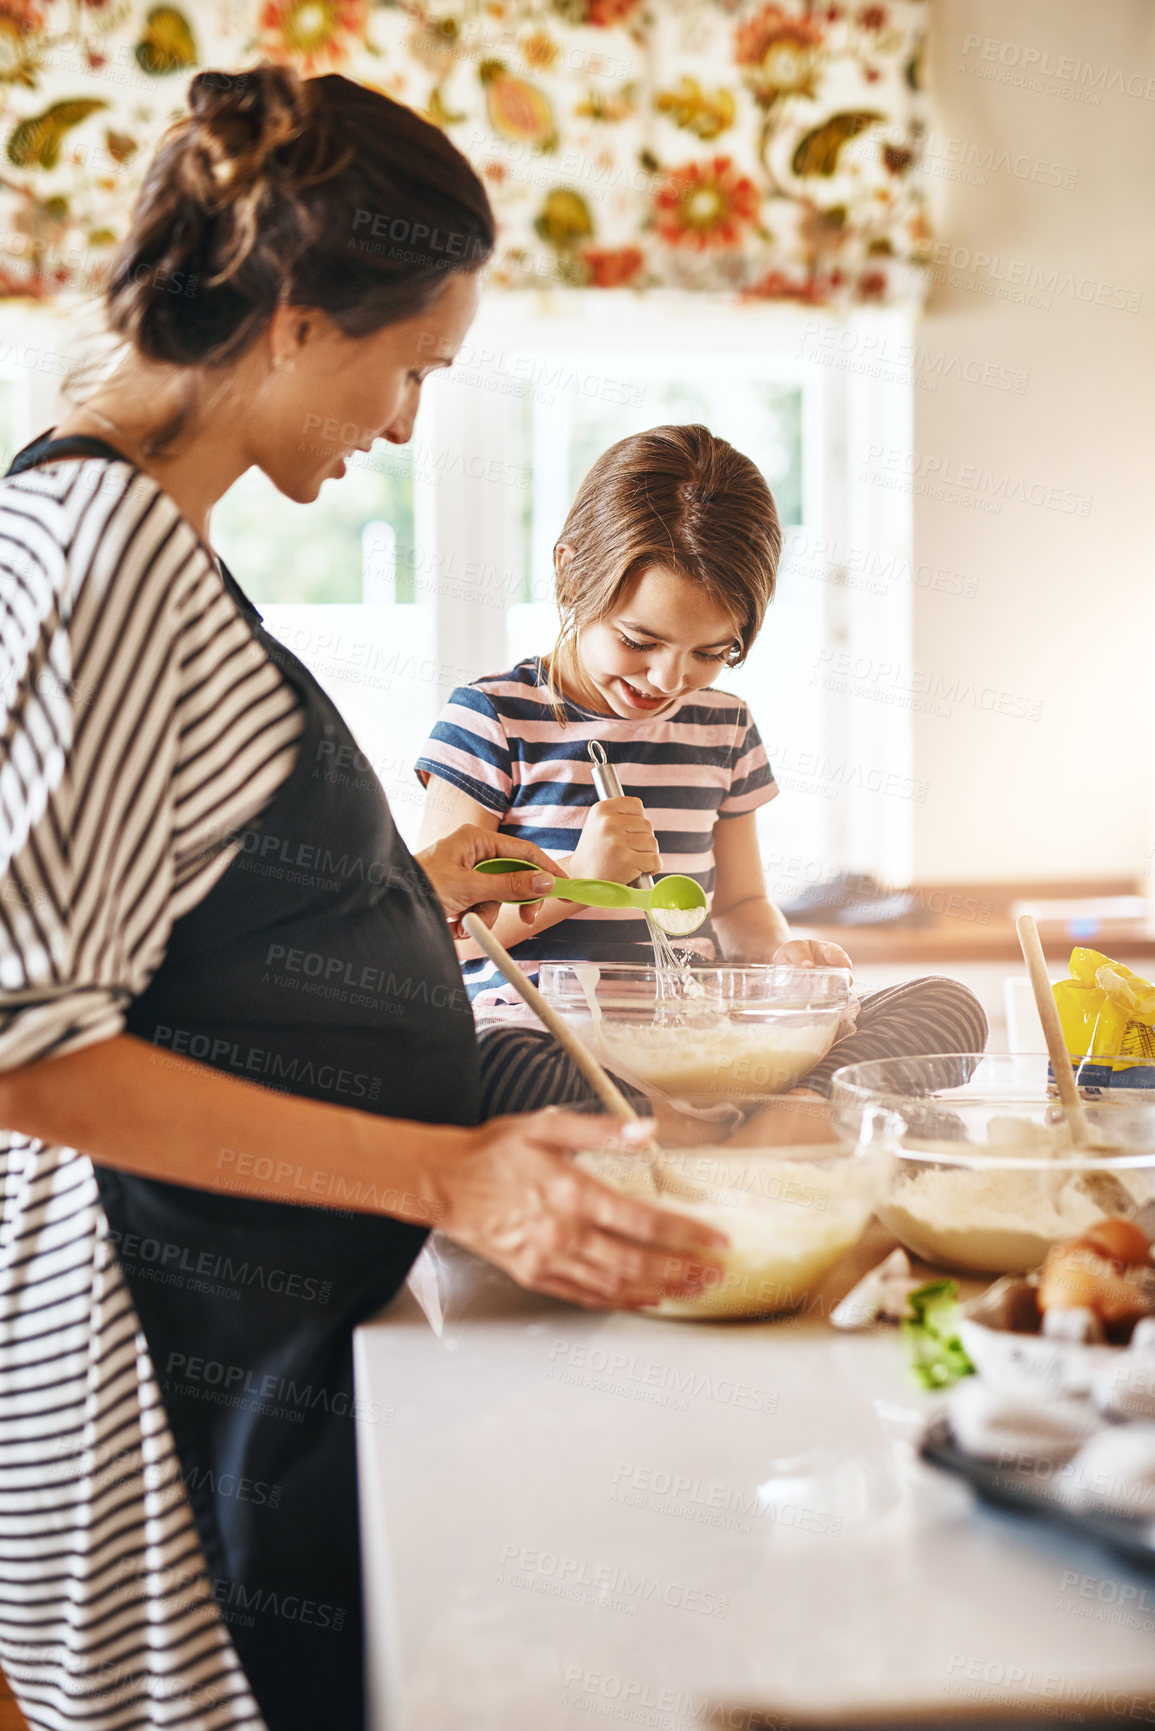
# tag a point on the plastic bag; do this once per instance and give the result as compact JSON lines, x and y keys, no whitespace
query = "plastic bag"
{"x":1107,"y":1013}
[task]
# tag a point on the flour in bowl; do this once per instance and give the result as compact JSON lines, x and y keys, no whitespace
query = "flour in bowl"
{"x":995,"y":1221}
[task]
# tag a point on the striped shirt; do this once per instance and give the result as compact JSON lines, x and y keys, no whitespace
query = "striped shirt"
{"x":499,"y":741}
{"x":143,"y":726}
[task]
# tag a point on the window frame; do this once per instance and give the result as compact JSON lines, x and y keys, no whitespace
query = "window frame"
{"x":852,"y":406}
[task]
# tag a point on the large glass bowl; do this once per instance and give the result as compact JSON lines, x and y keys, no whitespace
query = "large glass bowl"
{"x":988,"y":1174}
{"x":790,"y":1214}
{"x":705,"y":1034}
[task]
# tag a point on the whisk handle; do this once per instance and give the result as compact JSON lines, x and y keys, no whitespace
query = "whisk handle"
{"x":608,"y":786}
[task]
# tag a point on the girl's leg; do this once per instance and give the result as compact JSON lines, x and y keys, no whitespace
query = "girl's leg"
{"x":907,"y":1021}
{"x":523,"y":1069}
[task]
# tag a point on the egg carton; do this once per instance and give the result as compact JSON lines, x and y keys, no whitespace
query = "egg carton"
{"x":1058,"y":1428}
{"x":1055,"y":1425}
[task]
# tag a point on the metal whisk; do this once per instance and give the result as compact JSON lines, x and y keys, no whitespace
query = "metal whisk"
{"x":608,"y":786}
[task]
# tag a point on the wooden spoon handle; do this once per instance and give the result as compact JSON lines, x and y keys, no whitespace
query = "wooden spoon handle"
{"x":1052,"y":1028}
{"x":611,"y":1097}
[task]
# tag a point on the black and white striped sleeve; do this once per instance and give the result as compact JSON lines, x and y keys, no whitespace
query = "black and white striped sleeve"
{"x":141,"y":724}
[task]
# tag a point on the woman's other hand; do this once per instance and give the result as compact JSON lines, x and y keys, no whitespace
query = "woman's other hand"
{"x":810,"y":953}
{"x":449,"y":862}
{"x":516,"y":1198}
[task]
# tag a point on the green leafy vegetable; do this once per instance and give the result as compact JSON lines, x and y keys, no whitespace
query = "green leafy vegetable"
{"x":935,"y":1355}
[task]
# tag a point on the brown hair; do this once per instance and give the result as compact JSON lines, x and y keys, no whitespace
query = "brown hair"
{"x":319,"y":192}
{"x":677,"y":497}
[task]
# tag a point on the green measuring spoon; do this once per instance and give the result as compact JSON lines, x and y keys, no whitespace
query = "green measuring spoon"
{"x":675,"y":903}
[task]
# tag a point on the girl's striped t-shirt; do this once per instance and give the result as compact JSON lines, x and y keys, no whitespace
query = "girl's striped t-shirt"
{"x":500,"y":741}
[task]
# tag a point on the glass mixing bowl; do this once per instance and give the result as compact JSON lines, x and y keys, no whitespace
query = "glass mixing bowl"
{"x":704,"y":1034}
{"x":988,"y":1174}
{"x":790,"y":1214}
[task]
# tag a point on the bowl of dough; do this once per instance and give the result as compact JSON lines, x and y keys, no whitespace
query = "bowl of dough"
{"x":790,"y":1214}
{"x":706,"y":1034}
{"x":988,"y":1172}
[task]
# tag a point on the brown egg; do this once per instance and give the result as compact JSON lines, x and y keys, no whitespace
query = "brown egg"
{"x":1077,"y":1276}
{"x":1068,"y":1281}
{"x":1121,"y":1240}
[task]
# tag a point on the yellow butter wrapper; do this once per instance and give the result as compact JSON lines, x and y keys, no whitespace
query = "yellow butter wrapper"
{"x":1106,"y":1010}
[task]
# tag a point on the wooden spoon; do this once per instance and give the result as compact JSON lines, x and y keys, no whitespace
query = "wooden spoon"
{"x":1032,"y":949}
{"x":663,"y":1179}
{"x":610,"y":1096}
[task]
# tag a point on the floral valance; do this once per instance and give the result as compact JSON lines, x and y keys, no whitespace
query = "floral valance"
{"x":765,"y":149}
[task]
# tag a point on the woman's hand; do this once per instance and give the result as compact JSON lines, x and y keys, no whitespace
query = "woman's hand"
{"x":515,"y":1198}
{"x":617,"y":842}
{"x":811,"y":953}
{"x":449,"y":863}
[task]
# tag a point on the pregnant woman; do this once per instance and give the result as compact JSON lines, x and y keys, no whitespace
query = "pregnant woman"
{"x":238,"y":1074}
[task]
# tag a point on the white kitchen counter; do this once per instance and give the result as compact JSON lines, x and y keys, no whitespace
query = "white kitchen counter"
{"x":572,"y":1517}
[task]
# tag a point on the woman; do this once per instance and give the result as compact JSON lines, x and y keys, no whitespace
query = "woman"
{"x":189,"y":906}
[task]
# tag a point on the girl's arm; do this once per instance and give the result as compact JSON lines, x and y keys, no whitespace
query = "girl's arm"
{"x":749,"y":926}
{"x":617,"y":843}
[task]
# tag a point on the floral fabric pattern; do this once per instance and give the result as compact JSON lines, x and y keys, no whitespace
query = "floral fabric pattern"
{"x":764,"y":149}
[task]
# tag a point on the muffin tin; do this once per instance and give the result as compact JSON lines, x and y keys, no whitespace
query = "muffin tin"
{"x":1019,"y":1489}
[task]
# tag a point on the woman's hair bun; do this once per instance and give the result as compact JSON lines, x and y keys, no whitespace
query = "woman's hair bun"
{"x":275,"y":188}
{"x":220,"y":223}
{"x":240,"y":120}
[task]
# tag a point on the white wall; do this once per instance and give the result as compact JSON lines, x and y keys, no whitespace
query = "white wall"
{"x":1062,"y":614}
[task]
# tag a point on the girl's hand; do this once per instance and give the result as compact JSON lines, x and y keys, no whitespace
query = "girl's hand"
{"x":515,"y":1198}
{"x":618,"y":843}
{"x":810,"y":953}
{"x":449,"y":864}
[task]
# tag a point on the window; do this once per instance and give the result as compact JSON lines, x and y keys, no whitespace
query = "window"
{"x":567,"y":430}
{"x":337,"y":582}
{"x":427,"y":566}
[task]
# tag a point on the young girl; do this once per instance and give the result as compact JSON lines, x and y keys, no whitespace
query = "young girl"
{"x":664,"y":570}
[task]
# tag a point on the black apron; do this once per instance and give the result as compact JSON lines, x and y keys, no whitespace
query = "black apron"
{"x":319,"y":964}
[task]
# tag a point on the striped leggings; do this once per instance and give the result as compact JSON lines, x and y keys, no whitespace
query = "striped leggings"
{"x":522,"y":1068}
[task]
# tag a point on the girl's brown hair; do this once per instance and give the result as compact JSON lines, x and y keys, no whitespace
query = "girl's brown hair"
{"x":676,"y":497}
{"x":320,"y":192}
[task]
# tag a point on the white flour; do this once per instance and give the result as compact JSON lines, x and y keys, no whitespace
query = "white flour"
{"x":987,"y":1222}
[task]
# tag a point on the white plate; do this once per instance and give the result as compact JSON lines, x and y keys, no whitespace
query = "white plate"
{"x":1028,"y":1364}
